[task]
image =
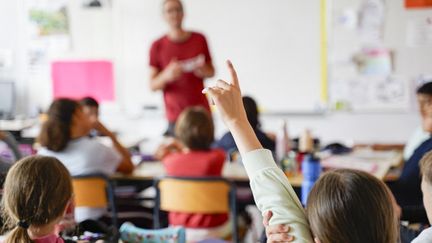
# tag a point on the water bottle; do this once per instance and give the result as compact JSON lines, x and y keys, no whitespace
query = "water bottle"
{"x":131,"y":233}
{"x":311,"y":169}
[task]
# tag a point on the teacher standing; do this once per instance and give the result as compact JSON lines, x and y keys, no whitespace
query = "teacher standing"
{"x":179,"y":63}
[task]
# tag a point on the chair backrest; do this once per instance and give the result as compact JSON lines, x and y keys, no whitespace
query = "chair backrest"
{"x":194,"y":196}
{"x":132,"y":234}
{"x":202,"y":195}
{"x":95,"y":191}
{"x":90,"y":192}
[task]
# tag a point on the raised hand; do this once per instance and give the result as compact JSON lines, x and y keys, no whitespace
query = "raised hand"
{"x":227,"y":98}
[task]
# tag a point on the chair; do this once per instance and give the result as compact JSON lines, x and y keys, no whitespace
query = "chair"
{"x":204,"y":195}
{"x":131,"y":234}
{"x":96,"y":191}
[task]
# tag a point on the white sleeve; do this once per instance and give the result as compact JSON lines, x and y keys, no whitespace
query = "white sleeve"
{"x":109,"y":159}
{"x":272,"y":191}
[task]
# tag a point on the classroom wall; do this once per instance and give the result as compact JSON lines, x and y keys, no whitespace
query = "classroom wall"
{"x":366,"y":127}
{"x":12,"y":38}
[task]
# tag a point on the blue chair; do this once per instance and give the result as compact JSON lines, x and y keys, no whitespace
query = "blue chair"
{"x":129,"y":233}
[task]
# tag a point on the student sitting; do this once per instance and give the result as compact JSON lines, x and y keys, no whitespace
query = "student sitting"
{"x":423,"y":132}
{"x":426,"y":187}
{"x":343,"y":206}
{"x":90,"y":107}
{"x":37,"y":194}
{"x":227,"y":142}
{"x":407,"y":189}
{"x":65,"y":136}
{"x":194,"y":129}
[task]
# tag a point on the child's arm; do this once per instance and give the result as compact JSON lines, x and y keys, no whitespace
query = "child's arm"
{"x":270,"y":186}
{"x":126,"y":165}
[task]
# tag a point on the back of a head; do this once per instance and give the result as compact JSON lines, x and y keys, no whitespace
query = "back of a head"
{"x":195,"y":129}
{"x":56,"y":131}
{"x":251,"y":109}
{"x":425,"y":89}
{"x":351,"y":206}
{"x":89,"y":101}
{"x":37,"y":190}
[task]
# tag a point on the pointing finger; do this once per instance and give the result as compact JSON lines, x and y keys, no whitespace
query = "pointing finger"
{"x":233,"y":73}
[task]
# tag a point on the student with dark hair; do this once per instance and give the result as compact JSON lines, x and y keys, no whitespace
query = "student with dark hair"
{"x":423,"y":132}
{"x":65,"y":136}
{"x":90,"y":107}
{"x":407,"y":189}
{"x":227,"y":142}
{"x":195,"y":131}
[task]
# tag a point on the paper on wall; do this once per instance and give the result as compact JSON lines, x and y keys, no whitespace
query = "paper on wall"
{"x":76,"y":79}
{"x":419,"y":32}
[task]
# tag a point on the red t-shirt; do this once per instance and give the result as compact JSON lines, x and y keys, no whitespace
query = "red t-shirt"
{"x":196,"y":164}
{"x":186,"y":90}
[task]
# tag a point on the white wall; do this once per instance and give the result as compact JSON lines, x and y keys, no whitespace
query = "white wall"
{"x":12,"y":38}
{"x":99,"y":35}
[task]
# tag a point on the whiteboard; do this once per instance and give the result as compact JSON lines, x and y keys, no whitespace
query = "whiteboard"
{"x":275,"y":46}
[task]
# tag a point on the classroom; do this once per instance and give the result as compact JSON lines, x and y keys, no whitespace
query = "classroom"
{"x":216,"y":121}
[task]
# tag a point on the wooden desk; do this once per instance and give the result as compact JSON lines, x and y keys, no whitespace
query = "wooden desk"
{"x":381,"y":161}
{"x":151,"y":170}
{"x":16,"y":125}
{"x":236,"y":171}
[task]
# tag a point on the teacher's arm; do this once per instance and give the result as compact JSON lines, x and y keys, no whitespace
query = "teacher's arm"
{"x":205,"y":71}
{"x":160,"y":78}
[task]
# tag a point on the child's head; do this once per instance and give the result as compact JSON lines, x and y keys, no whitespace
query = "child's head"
{"x":37,"y":191}
{"x":426,"y":184}
{"x":351,"y":206}
{"x":194,"y":128}
{"x":424,"y":99}
{"x":66,"y":121}
{"x":251,"y":109}
{"x":90,"y":108}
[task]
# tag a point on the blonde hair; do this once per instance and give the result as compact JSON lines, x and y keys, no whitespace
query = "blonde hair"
{"x":351,"y":206}
{"x":195,"y":129}
{"x":37,"y":190}
{"x":426,"y":167}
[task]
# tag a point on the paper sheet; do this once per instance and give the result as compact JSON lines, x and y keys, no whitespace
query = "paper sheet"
{"x":76,"y":79}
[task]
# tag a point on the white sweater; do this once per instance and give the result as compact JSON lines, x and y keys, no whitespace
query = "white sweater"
{"x":272,"y":191}
{"x":424,"y":237}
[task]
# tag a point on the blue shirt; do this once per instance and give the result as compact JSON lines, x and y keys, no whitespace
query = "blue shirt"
{"x":227,"y":142}
{"x":407,"y":189}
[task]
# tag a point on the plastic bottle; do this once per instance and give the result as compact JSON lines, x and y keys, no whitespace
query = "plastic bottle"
{"x":283,"y":144}
{"x":311,"y":169}
{"x":310,"y":166}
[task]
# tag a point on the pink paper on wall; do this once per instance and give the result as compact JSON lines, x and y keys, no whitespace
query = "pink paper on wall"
{"x":76,"y":79}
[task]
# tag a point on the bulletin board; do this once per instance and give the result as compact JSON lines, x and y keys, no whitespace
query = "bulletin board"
{"x":379,"y":49}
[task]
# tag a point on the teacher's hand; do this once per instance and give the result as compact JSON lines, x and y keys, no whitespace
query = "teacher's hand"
{"x":172,"y":71}
{"x":227,"y":98}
